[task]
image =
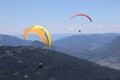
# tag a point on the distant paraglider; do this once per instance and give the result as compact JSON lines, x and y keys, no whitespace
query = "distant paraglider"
{"x":79,"y":31}
{"x":81,"y":15}
{"x":41,"y":31}
{"x":40,"y":65}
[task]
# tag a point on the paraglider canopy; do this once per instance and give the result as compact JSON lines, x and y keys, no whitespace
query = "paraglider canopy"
{"x":82,"y":15}
{"x":41,"y":31}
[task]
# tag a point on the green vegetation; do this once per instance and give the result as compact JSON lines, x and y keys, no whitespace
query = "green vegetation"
{"x":22,"y":64}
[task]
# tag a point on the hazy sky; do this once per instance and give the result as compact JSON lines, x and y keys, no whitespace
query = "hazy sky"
{"x":16,"y":15}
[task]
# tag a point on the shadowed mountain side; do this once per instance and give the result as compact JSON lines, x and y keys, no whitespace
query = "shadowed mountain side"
{"x":20,"y":63}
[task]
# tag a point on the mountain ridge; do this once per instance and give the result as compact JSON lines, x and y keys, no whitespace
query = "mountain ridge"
{"x":21,"y":63}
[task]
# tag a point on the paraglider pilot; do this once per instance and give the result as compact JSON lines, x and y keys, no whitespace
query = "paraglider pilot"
{"x":40,"y":65}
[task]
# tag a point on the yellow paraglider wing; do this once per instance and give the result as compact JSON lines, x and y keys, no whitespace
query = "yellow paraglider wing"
{"x":40,"y":31}
{"x":47,"y":33}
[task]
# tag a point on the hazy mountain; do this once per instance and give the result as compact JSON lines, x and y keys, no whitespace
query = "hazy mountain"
{"x":21,"y":63}
{"x":54,"y":36}
{"x":13,"y":41}
{"x":7,"y":40}
{"x":76,"y":44}
{"x":109,"y":55}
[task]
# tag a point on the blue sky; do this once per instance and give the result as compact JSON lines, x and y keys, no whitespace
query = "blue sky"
{"x":16,"y":15}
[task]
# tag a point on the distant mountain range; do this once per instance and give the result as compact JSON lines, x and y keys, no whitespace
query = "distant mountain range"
{"x":109,"y":55}
{"x":7,"y":40}
{"x":76,"y":44}
{"x":22,"y":63}
{"x":54,"y":36}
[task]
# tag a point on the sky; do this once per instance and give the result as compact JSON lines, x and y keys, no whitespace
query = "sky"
{"x":54,"y":15}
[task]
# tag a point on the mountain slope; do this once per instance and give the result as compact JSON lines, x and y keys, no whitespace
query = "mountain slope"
{"x":7,"y":40}
{"x":109,"y":55}
{"x":79,"y":43}
{"x":20,"y":63}
{"x":12,"y":41}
